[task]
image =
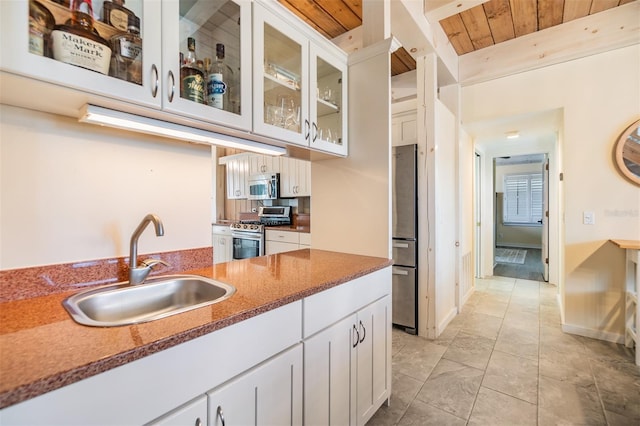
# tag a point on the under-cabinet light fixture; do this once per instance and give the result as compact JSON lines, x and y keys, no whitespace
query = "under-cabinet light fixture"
{"x":121,"y":120}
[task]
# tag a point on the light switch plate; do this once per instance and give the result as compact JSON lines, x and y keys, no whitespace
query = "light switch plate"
{"x":588,"y":218}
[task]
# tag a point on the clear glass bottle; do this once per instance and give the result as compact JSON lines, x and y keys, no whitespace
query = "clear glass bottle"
{"x":192,"y":85}
{"x":115,"y":14}
{"x":218,"y":81}
{"x":127,"y":53}
{"x":78,"y":43}
{"x":41,"y":22}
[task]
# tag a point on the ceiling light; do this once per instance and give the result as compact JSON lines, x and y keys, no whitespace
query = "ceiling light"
{"x":121,"y":120}
{"x":513,"y":134}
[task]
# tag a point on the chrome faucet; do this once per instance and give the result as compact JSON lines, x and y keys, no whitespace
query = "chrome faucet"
{"x":137,"y":274}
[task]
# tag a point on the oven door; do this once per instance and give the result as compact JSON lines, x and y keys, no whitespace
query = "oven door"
{"x":246,"y":246}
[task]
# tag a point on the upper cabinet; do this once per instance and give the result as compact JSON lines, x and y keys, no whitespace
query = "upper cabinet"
{"x":299,"y":88}
{"x":217,"y":87}
{"x":246,"y":68}
{"x":35,"y":43}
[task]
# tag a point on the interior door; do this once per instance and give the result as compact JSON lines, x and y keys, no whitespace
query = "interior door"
{"x":545,"y":218}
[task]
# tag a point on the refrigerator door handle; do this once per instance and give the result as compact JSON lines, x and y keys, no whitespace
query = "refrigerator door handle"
{"x":400,"y":245}
{"x":396,"y":271}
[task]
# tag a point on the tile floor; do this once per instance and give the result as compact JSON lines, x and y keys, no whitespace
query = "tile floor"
{"x":505,"y":361}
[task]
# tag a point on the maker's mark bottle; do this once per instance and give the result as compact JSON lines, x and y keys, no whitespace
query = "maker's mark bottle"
{"x":78,"y":43}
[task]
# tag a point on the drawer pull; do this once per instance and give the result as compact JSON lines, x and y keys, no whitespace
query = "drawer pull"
{"x":400,"y":245}
{"x":399,"y":272}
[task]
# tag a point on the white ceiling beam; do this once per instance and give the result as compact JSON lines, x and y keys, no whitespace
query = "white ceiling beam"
{"x":437,"y":10}
{"x":611,"y":29}
{"x":376,"y":21}
{"x":349,"y":41}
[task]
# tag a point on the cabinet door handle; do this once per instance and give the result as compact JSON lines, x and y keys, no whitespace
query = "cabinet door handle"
{"x":306,"y":129}
{"x":156,"y":83}
{"x":220,"y":415}
{"x":357,"y":335}
{"x":198,"y":422}
{"x":315,"y":132}
{"x":172,"y":85}
{"x":364,"y":332}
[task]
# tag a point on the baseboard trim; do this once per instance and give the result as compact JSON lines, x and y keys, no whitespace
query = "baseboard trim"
{"x":466,"y":297}
{"x":445,"y":322}
{"x":594,"y":334}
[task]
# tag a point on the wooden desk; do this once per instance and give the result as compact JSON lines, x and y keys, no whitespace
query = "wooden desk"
{"x":632,"y":286}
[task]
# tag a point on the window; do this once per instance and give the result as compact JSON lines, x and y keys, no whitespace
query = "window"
{"x":522,"y":199}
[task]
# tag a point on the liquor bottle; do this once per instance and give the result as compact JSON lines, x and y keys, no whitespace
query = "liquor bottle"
{"x":127,"y":53}
{"x":191,"y":76}
{"x":41,"y":22}
{"x":78,"y":43}
{"x":217,"y":81}
{"x":115,"y":14}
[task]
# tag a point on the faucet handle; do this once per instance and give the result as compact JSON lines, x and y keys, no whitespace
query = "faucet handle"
{"x":149,"y":263}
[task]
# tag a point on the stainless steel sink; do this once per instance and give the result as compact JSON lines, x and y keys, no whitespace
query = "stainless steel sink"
{"x":158,"y":297}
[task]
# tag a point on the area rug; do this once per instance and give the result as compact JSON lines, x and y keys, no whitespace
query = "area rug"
{"x":508,"y":255}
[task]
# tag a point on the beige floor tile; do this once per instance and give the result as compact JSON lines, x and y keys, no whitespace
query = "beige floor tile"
{"x":423,"y":414}
{"x":517,"y":341}
{"x":417,"y":358}
{"x":491,"y":307}
{"x":482,"y":325}
{"x":569,"y":367}
{"x":496,"y":409}
{"x":452,"y":387}
{"x":403,"y":391}
{"x":619,"y":385}
{"x":512,"y":375}
{"x":565,"y":403}
{"x":470,"y":350}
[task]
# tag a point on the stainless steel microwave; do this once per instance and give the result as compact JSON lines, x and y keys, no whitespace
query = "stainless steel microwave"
{"x":264,"y":186}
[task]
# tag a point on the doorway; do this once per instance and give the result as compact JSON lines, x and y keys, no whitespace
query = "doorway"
{"x":520,"y":216}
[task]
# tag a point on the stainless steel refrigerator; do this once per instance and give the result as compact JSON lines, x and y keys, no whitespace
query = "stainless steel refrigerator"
{"x":405,"y":237}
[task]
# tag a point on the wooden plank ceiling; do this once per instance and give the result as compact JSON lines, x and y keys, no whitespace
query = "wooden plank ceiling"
{"x":492,"y":22}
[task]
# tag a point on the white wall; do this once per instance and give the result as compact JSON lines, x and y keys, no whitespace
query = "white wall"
{"x":446,"y":223}
{"x":71,"y":192}
{"x":466,"y":221}
{"x":598,"y":96}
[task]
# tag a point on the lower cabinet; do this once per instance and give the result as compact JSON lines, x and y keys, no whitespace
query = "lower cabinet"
{"x":222,"y":244}
{"x":347,"y":374}
{"x":270,"y":394}
{"x":277,"y":241}
{"x":193,"y":413}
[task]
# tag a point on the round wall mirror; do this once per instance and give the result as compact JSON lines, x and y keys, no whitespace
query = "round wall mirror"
{"x":627,"y":152}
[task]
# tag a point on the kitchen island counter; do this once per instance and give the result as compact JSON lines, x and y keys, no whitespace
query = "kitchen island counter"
{"x":43,"y":349}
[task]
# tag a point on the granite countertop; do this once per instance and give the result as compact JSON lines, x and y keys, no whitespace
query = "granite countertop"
{"x":43,"y":349}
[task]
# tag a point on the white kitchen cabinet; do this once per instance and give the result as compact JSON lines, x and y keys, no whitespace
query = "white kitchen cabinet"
{"x":259,"y":164}
{"x":222,"y":244}
{"x":374,"y":336}
{"x":348,"y":351}
{"x":165,"y":27}
{"x":295,"y":177}
{"x":237,"y":173}
{"x":300,"y":89}
{"x":270,"y":394}
{"x":279,"y":241}
{"x":209,"y":22}
{"x":193,"y":413}
{"x":328,"y":374}
{"x":15,"y":56}
{"x":404,"y":128}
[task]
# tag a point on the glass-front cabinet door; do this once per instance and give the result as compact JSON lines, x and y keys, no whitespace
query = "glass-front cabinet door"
{"x":328,"y":102}
{"x":206,"y":60}
{"x":280,"y":78}
{"x":110,"y":48}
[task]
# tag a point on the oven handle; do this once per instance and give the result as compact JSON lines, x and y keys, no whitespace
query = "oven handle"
{"x":255,"y":237}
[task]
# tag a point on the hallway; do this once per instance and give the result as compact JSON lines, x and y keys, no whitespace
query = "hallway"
{"x":505,"y":361}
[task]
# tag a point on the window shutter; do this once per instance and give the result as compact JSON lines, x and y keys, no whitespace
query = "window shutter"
{"x":522,"y":198}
